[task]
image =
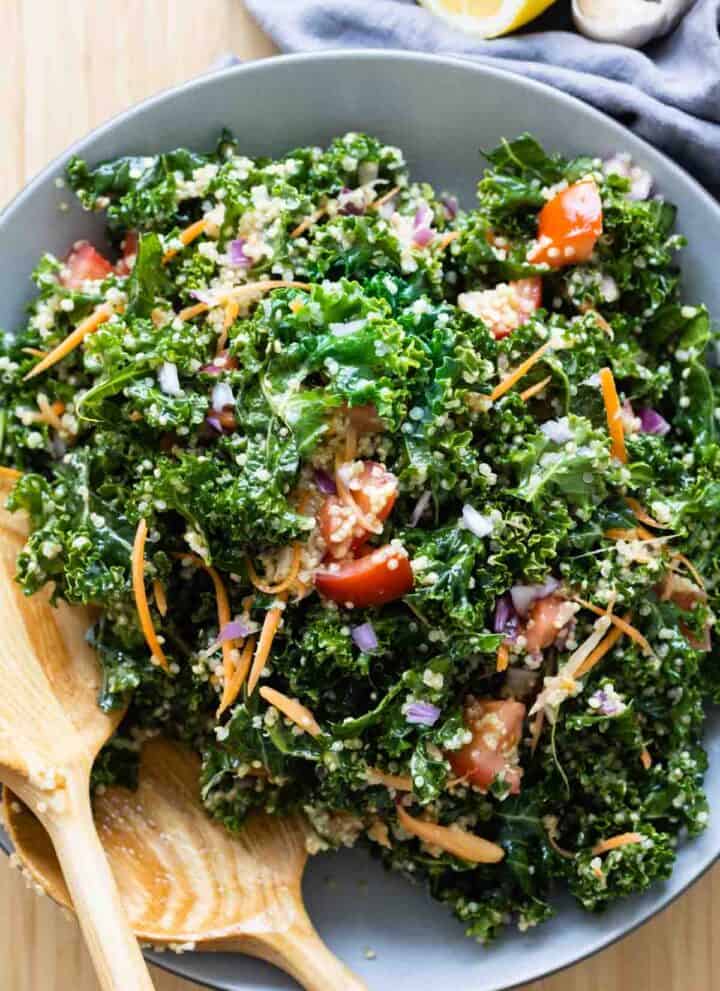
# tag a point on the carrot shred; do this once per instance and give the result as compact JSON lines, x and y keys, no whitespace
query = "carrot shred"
{"x":34,"y":352}
{"x":308,"y":222}
{"x":381,"y":200}
{"x":533,"y":390}
{"x":49,"y":414}
{"x":620,"y":623}
{"x":87,"y":326}
{"x":193,"y":311}
{"x":231,"y":688}
{"x":232,"y":308}
{"x":287,"y":580}
{"x":400,"y":782}
{"x":141,"y":602}
{"x":293,"y":709}
{"x":350,"y":444}
{"x":262,"y":652}
{"x":522,"y":369}
{"x":691,"y":568}
{"x":186,"y":237}
{"x":641,"y":514}
{"x":645,"y":758}
{"x":503,"y":656}
{"x":159,"y":596}
{"x":12,"y":473}
{"x":615,"y":842}
{"x":453,"y":840}
{"x":602,"y":648}
{"x":614,"y":415}
{"x":447,"y":239}
{"x":536,"y":728}
{"x":367,"y":522}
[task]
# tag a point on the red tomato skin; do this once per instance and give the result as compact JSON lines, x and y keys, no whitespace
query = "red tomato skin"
{"x":494,"y":743}
{"x":568,"y":226}
{"x":334,"y":513}
{"x":369,"y":580}
{"x":84,"y":263}
{"x":375,"y":475}
{"x":365,"y":419}
{"x":530,"y":293}
{"x":129,"y":247}
{"x":540,"y":630}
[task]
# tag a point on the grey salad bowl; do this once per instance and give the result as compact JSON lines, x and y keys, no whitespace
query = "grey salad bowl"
{"x":441,"y":111}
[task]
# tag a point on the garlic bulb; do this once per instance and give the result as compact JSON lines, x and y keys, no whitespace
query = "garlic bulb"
{"x":627,"y":22}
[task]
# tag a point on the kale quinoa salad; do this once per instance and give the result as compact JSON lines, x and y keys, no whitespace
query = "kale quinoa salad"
{"x":399,"y":514}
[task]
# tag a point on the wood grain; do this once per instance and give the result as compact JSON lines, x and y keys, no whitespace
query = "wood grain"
{"x":65,"y":68}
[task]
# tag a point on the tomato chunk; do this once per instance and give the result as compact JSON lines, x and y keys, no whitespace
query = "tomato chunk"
{"x":496,"y":727}
{"x":129,"y":248}
{"x":374,"y":491}
{"x":542,"y":629}
{"x":506,"y":307}
{"x":378,"y":577}
{"x":84,"y":264}
{"x":365,"y":419}
{"x":569,"y":226}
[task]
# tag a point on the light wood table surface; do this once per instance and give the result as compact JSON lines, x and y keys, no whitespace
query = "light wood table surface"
{"x":65,"y":67}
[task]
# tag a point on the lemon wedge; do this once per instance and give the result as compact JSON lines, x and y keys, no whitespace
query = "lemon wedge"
{"x":487,"y":18}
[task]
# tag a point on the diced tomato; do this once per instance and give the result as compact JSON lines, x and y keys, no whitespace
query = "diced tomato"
{"x":506,"y":307}
{"x":569,"y":226}
{"x":129,"y":248}
{"x":365,"y":419}
{"x":529,"y":297}
{"x":382,"y":576}
{"x":541,"y":629}
{"x":680,"y":591}
{"x":496,"y":728}
{"x":84,"y":264}
{"x":374,"y":490}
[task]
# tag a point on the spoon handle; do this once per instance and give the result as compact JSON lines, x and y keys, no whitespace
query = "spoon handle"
{"x":300,"y":952}
{"x":115,"y":952}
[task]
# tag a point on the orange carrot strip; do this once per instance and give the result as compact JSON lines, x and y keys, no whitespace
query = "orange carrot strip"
{"x":602,"y":648}
{"x":614,"y":415}
{"x":503,"y":656}
{"x":232,"y":308}
{"x":34,"y":352}
{"x":231,"y":688}
{"x":267,"y":635}
{"x":447,"y":239}
{"x":645,"y":758}
{"x":286,"y":582}
{"x":453,"y":840}
{"x":534,"y":389}
{"x":400,"y":782}
{"x":186,"y":237}
{"x":193,"y":311}
{"x":12,"y":473}
{"x":293,"y":709}
{"x":691,"y":568}
{"x":615,"y":842}
{"x":641,"y":514}
{"x":141,"y":602}
{"x":621,"y":624}
{"x":381,"y":200}
{"x":522,"y":369}
{"x":87,"y":326}
{"x":159,"y":596}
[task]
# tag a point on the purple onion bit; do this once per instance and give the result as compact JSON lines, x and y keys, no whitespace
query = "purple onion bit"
{"x":236,"y":253}
{"x":450,"y":206}
{"x":347,"y":205}
{"x":420,"y":507}
{"x":365,"y":637}
{"x":325,"y":482}
{"x":421,"y":713}
{"x":234,"y":630}
{"x":651,"y":422}
{"x":424,"y":232}
{"x":214,"y":421}
{"x":505,"y":619}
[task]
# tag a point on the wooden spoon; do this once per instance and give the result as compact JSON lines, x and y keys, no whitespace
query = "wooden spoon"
{"x":51,"y":730}
{"x":187,"y":881}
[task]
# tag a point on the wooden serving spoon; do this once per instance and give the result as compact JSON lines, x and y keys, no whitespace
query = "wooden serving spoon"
{"x":51,"y":730}
{"x":187,"y":881}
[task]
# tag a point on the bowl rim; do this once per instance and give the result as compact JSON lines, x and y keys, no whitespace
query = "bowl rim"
{"x":390,"y":55}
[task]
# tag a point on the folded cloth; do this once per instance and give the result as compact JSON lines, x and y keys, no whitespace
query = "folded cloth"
{"x":669,"y":93}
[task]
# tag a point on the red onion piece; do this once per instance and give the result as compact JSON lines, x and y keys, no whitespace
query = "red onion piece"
{"x":364,"y":637}
{"x":236,"y":253}
{"x":325,"y":482}
{"x":420,"y":507}
{"x":421,"y":713}
{"x":651,"y":422}
{"x":505,"y":619}
{"x":422,"y":225}
{"x":234,"y":630}
{"x":523,"y":596}
{"x":214,"y":422}
{"x":222,"y":397}
{"x":347,"y":204}
{"x":450,"y":205}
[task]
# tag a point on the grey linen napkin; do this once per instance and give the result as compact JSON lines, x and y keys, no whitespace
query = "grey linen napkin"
{"x":668,"y":93}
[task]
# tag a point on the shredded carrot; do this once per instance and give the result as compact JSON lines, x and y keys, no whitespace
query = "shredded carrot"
{"x":522,"y":369}
{"x":50,"y":414}
{"x":533,"y":390}
{"x":452,"y":839}
{"x":193,"y":311}
{"x":231,"y":688}
{"x":400,"y":782}
{"x":308,"y":222}
{"x":369,"y":523}
{"x":287,"y":580}
{"x":232,"y":308}
{"x":642,"y":515}
{"x":602,"y":648}
{"x":615,"y":842}
{"x":87,"y":326}
{"x":536,"y":729}
{"x":351,"y":444}
{"x":12,"y":473}
{"x":691,"y":568}
{"x":614,"y":415}
{"x":267,"y":635}
{"x":159,"y":596}
{"x":141,"y":602}
{"x":135,"y":416}
{"x":448,"y":239}
{"x":381,"y":200}
{"x":293,"y":709}
{"x":645,"y":758}
{"x":599,"y":318}
{"x":34,"y":352}
{"x":503,"y":656}
{"x":618,"y":533}
{"x":186,"y":237}
{"x":621,"y":624}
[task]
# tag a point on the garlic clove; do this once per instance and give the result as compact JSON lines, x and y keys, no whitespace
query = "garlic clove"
{"x":627,"y":22}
